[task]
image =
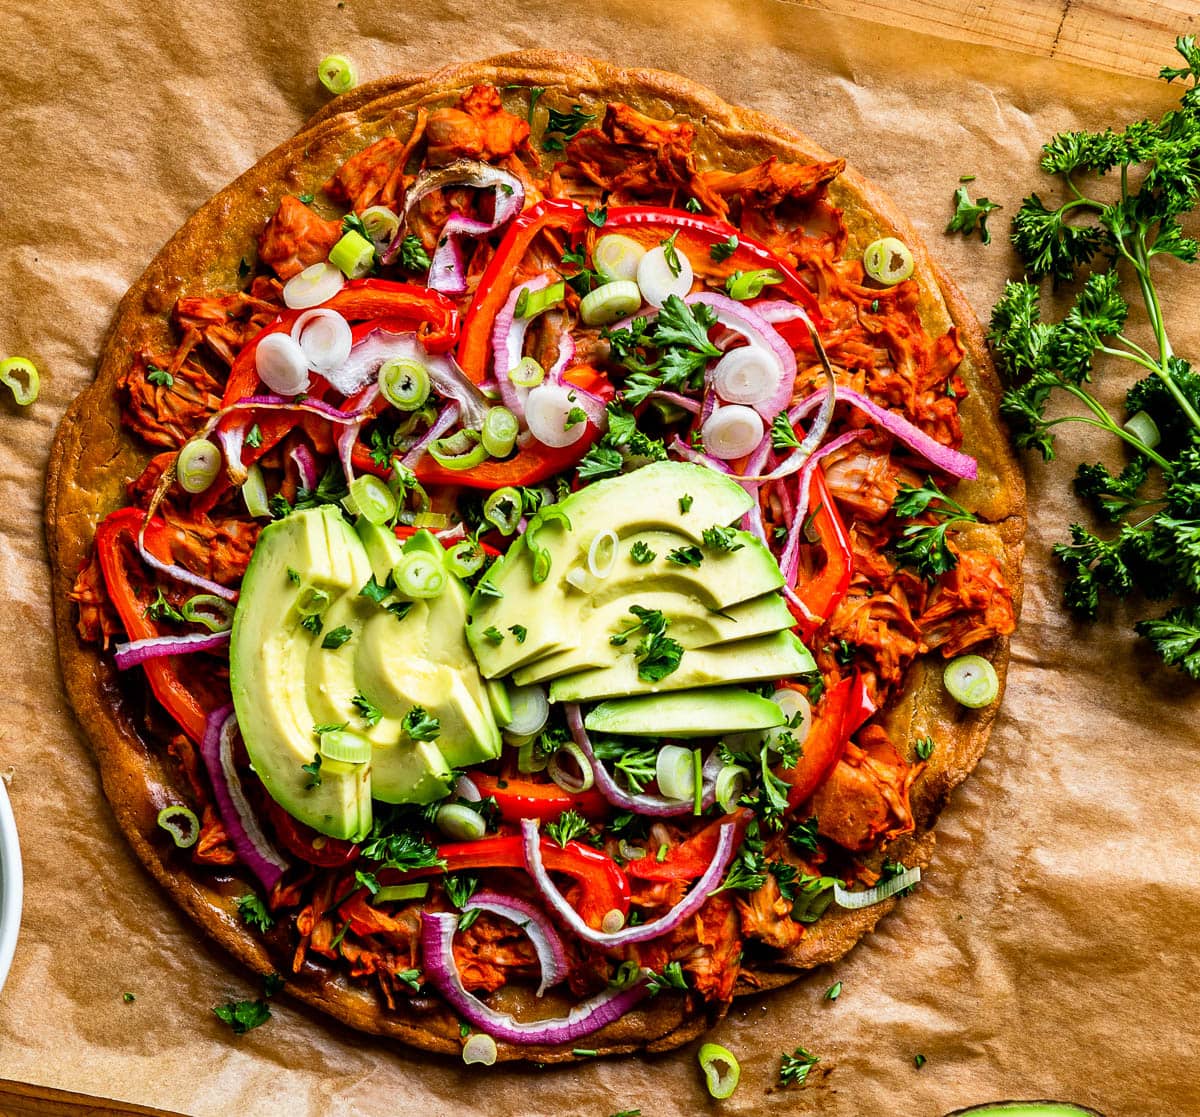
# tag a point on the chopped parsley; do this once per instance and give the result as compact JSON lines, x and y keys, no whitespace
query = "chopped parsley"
{"x":794,"y":1068}
{"x":561,"y":127}
{"x":519,"y":631}
{"x":367,"y":710}
{"x":969,"y":214}
{"x":493,"y":635}
{"x":313,"y":623}
{"x":641,"y":553}
{"x":923,"y":546}
{"x":722,"y":251}
{"x":834,"y":991}
{"x":717,"y":538}
{"x":159,"y":376}
{"x":254,"y":912}
{"x":413,"y":256}
{"x":243,"y":1016}
{"x":160,"y":609}
{"x":574,"y":417}
{"x":336,"y":637}
{"x":686,"y":556}
{"x":671,"y":977}
{"x":924,"y":747}
{"x":679,"y":338}
{"x":568,"y":827}
{"x":375,"y":591}
{"x":420,"y":726}
{"x":314,"y":772}
{"x":254,"y":437}
{"x":635,"y":761}
{"x":685,"y":503}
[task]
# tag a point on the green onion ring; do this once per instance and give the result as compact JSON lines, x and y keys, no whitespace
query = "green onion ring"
{"x":419,"y":576}
{"x":460,"y":823}
{"x":20,"y":376}
{"x":464,"y":559}
{"x":254,"y":492}
{"x":462,"y":450}
{"x":336,"y":73}
{"x":675,"y":771}
{"x":888,"y":261}
{"x":732,"y":780}
{"x":526,"y":373}
{"x":182,"y":824}
{"x":344,"y":745}
{"x":353,"y":255}
{"x":215,"y":613}
{"x":558,"y":772}
{"x":503,"y":508}
{"x":721,"y":1069}
{"x":390,"y":893}
{"x":404,"y":383}
{"x":500,"y":430}
{"x":198,"y":465}
{"x":370,"y":498}
{"x":971,"y":681}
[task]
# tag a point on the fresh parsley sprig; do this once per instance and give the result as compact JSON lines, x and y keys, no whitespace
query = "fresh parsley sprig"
{"x":923,"y":545}
{"x":1154,"y":501}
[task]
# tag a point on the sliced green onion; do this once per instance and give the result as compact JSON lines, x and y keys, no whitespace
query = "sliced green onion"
{"x":721,"y":1069}
{"x":732,"y":781}
{"x":888,"y":261}
{"x":311,"y":600}
{"x":611,"y":301}
{"x":336,"y":73}
{"x":371,"y":499}
{"x":560,"y":773}
{"x":526,"y":373}
{"x":182,"y":824}
{"x":812,"y":899}
{"x":461,"y":450}
{"x":389,"y":893}
{"x":460,"y":823}
{"x":464,"y":559}
{"x":697,"y":784}
{"x":855,"y":900}
{"x":503,"y":509}
{"x":971,"y":680}
{"x":629,"y":851}
{"x":198,"y":465}
{"x":602,"y":554}
{"x":529,"y":758}
{"x":435,"y":521}
{"x":500,"y":430}
{"x":404,"y":383}
{"x":353,"y":255}
{"x":419,"y":575}
{"x":20,"y":376}
{"x":480,"y":1048}
{"x":381,"y":224}
{"x":530,"y":710}
{"x":1144,"y":428}
{"x":675,"y":772}
{"x":215,"y":613}
{"x":616,"y":257}
{"x":344,"y":745}
{"x":254,"y":492}
{"x":745,"y":285}
{"x":532,"y":303}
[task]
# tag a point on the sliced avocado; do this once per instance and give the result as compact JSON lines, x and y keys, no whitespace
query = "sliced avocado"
{"x":686,"y":713}
{"x":268,"y":652}
{"x":765,"y":658}
{"x":426,"y":542}
{"x":409,"y":772}
{"x":693,"y":624}
{"x":1026,"y":1109}
{"x":383,"y":548}
{"x":502,"y":709}
{"x":643,"y":506}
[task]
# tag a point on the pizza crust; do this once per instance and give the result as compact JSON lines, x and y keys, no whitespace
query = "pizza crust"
{"x":92,"y":460}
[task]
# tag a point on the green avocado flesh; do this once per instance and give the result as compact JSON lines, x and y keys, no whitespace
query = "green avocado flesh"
{"x":723,"y":610}
{"x":285,"y":682}
{"x":1025,"y":1109}
{"x":686,"y":713}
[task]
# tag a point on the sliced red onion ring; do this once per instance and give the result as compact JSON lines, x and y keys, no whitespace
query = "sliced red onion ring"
{"x":691,"y":454}
{"x":548,"y":408}
{"x":281,"y":364}
{"x":644,"y":932}
{"x":790,"y":559}
{"x":547,"y":943}
{"x":779,"y":310}
{"x":466,"y":790}
{"x":231,"y":441}
{"x":566,"y":354}
{"x":758,"y":332}
{"x":954,"y":462}
{"x":657,"y":805}
{"x":685,"y":402}
{"x":253,"y":848}
{"x":437,"y":949}
{"x":442,"y":424}
{"x":180,"y":573}
{"x":360,"y":403}
{"x":446,"y":271}
{"x":508,"y":340}
{"x":306,"y":465}
{"x":133,"y":652}
{"x":733,"y":431}
{"x":752,"y":521}
{"x":324,"y":337}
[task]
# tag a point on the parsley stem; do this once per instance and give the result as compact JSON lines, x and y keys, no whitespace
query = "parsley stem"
{"x":1105,"y":421}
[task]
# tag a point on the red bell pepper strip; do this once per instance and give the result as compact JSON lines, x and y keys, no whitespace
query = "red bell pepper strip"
{"x":518,"y":799}
{"x":860,"y":706}
{"x":116,"y":537}
{"x":307,"y":844}
{"x":822,"y":593}
{"x":603,"y":885}
{"x":689,"y":859}
{"x":824,"y":745}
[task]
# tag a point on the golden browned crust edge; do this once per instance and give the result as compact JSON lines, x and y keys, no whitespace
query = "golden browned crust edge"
{"x":90,"y":458}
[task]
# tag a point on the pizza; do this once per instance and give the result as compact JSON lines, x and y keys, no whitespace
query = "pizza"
{"x":536,"y":557}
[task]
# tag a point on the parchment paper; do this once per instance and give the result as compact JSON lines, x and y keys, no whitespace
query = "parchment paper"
{"x":1050,"y":951}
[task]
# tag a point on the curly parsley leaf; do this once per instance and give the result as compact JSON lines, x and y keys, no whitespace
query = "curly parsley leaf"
{"x":971,"y":214}
{"x":243,"y":1016}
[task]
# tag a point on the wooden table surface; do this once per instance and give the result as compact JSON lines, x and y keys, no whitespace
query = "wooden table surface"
{"x":1124,"y":36}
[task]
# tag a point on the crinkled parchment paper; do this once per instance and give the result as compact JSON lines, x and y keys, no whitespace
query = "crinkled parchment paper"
{"x":1050,"y":952}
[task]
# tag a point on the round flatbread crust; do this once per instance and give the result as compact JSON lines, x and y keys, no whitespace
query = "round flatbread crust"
{"x":92,"y":460}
